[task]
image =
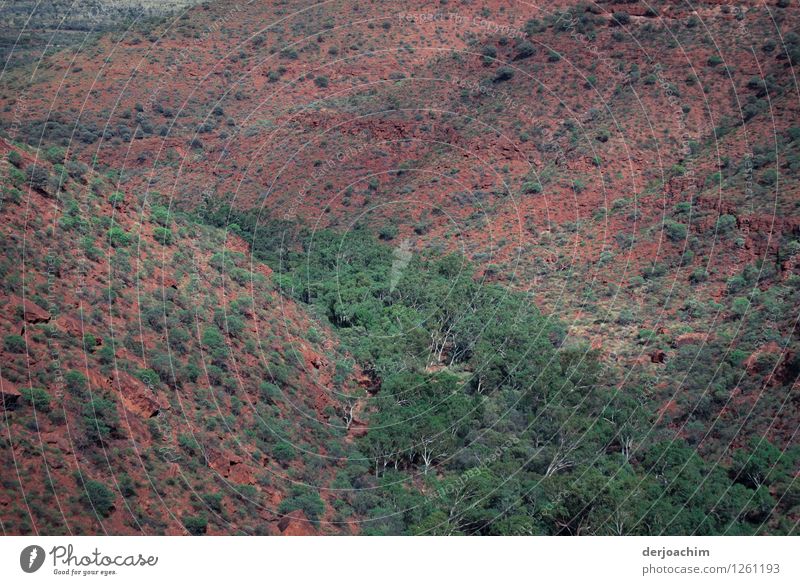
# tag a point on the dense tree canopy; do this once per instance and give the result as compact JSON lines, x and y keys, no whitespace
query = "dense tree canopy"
{"x":486,"y":418}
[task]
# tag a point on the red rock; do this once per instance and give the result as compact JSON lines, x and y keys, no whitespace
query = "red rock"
{"x":358,"y":429}
{"x":241,"y":474}
{"x":230,"y":465}
{"x":33,"y":313}
{"x":369,"y":381}
{"x":137,"y":397}
{"x":693,"y":339}
{"x":97,"y":381}
{"x":658,"y":357}
{"x":56,"y":438}
{"x":782,"y":373}
{"x":8,"y":393}
{"x":296,"y":524}
{"x":70,"y":325}
{"x":263,"y":269}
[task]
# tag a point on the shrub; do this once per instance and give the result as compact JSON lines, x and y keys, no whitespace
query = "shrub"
{"x":313,"y":335}
{"x":100,"y":420}
{"x":192,"y":372}
{"x":98,"y":497}
{"x":14,"y":343}
{"x":38,"y":177}
{"x":36,"y":397}
{"x":150,"y":378}
{"x":92,"y":252}
{"x":533,"y":26}
{"x":270,"y":393}
{"x":655,"y":270}
{"x":126,"y":485}
{"x":189,"y":445}
{"x":160,"y":215}
{"x":163,"y":235}
{"x":489,"y":53}
{"x":714,"y":179}
{"x":625,"y":317}
{"x":525,"y":49}
{"x":620,"y":19}
{"x":768,"y":177}
{"x":699,"y":275}
{"x":280,"y":373}
{"x":625,"y":241}
{"x":739,"y":306}
{"x":15,"y":158}
{"x":283,"y":452}
{"x":682,"y":207}
{"x":212,"y":338}
{"x":726,"y":223}
{"x":229,"y":322}
{"x":675,"y":231}
{"x":532,"y":187}
{"x":117,"y":198}
{"x":307,"y":501}
{"x":75,"y":382}
{"x":388,"y":232}
{"x":503,"y":74}
{"x":117,"y":237}
{"x":213,"y":501}
{"x":321,"y":81}
{"x":16,"y":176}
{"x":195,"y":525}
{"x":55,"y":154}
{"x":12,"y":194}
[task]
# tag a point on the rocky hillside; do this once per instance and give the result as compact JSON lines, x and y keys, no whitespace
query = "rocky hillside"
{"x":154,"y":380}
{"x":30,"y":29}
{"x":245,"y":189}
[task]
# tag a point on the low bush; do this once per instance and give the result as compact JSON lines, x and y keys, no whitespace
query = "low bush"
{"x":98,"y":498}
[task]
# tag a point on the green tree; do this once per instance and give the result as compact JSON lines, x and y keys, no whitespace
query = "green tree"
{"x":196,"y":525}
{"x":14,"y":343}
{"x":75,"y":383}
{"x":117,"y":237}
{"x":38,"y":177}
{"x":101,"y":420}
{"x":36,"y":397}
{"x":98,"y":498}
{"x":675,"y":231}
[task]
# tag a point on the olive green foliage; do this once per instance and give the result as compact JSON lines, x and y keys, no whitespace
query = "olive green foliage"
{"x":98,"y":498}
{"x":480,"y":399}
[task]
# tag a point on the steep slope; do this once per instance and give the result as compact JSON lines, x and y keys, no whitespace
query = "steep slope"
{"x":155,"y":381}
{"x":630,"y":169}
